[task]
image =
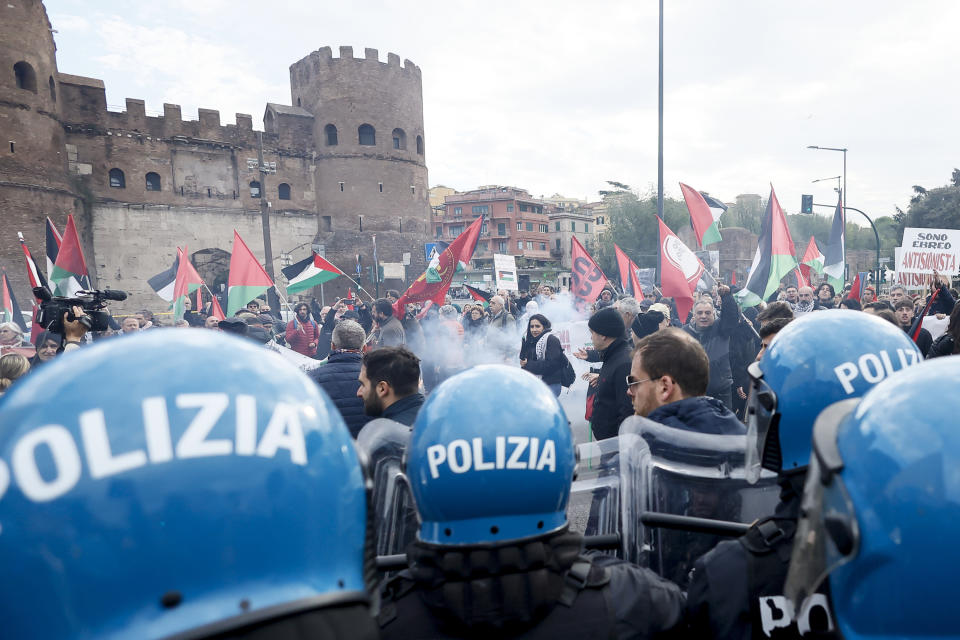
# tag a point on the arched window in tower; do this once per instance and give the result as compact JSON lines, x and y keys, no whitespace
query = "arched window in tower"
{"x":420,"y":145}
{"x":399,"y":139}
{"x":254,"y":188}
{"x":284,"y":190}
{"x":153,"y":181}
{"x":330,"y":133}
{"x":367,"y":135}
{"x":53,"y":89}
{"x":26,"y":77}
{"x":117,"y":181}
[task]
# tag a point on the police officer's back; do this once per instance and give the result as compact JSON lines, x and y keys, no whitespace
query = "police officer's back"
{"x":737,"y":589}
{"x":494,"y":556}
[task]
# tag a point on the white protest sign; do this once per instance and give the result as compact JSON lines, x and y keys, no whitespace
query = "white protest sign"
{"x":929,"y":250}
{"x":505,"y":272}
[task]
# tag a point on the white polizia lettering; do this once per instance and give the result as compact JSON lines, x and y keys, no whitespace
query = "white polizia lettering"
{"x":47,"y":463}
{"x":873,"y":367}
{"x":509,"y":452}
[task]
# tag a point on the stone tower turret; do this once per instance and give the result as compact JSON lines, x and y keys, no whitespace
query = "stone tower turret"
{"x":371,"y":174}
{"x":34,"y":179}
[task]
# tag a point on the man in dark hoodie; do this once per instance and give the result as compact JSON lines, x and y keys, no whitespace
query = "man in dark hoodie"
{"x":611,"y":404}
{"x":667,"y":383}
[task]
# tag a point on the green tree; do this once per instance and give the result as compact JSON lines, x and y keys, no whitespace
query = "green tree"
{"x":633,"y":227}
{"x":937,"y":208}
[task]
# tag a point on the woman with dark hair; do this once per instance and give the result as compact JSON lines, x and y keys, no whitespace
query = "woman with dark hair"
{"x":47,"y":346}
{"x":825,"y":295}
{"x":949,"y":343}
{"x":542,"y":354}
{"x":474,"y":326}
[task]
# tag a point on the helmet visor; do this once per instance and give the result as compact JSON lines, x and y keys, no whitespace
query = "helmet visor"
{"x":828,"y":535}
{"x":761,"y":409}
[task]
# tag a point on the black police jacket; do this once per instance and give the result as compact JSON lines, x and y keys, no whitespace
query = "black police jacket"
{"x":610,"y":598}
{"x":736,"y":589}
{"x":612,"y":405}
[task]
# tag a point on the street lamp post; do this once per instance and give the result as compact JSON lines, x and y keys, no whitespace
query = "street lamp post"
{"x":843,"y":194}
{"x":837,"y":178}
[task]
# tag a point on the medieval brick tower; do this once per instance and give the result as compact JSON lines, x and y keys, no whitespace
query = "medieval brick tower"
{"x":349,"y":154}
{"x":34,"y":182}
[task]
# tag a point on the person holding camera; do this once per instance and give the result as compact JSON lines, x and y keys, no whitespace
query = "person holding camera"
{"x":74,"y":331}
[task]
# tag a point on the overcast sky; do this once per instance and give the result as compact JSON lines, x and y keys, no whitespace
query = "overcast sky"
{"x":558,"y":96}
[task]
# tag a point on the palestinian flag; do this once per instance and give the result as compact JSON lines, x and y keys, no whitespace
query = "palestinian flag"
{"x":434,"y":283}
{"x":812,"y":259}
{"x":163,"y":282}
{"x":628,"y":274}
{"x":36,"y":280}
{"x":308,"y":273}
{"x":11,"y":310}
{"x":479,"y":295}
{"x":834,"y":262}
{"x":188,"y":281}
{"x":247,"y":279}
{"x":215,"y":310}
{"x":705,"y":213}
{"x":680,"y":271}
{"x":70,"y":268}
{"x":774,"y":258}
{"x":53,"y":246}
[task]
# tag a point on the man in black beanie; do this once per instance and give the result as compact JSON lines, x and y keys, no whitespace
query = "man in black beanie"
{"x":612,"y":404}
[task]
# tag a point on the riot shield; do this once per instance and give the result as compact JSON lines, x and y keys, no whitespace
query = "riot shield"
{"x":382,"y":444}
{"x":690,"y":474}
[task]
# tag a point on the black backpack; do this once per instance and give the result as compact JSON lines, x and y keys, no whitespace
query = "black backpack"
{"x":567,"y":375}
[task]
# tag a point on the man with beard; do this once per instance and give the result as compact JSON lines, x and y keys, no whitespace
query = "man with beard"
{"x":389,"y":383}
{"x":805,"y":302}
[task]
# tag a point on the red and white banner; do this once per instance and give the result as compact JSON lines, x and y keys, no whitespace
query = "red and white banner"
{"x":924,"y":251}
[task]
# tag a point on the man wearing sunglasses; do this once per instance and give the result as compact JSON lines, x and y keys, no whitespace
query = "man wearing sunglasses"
{"x":737,"y":589}
{"x":668,"y":380}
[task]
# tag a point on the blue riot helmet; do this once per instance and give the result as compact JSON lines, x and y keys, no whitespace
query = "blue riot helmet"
{"x":881,"y":508}
{"x":816,"y":360}
{"x":491,"y":459}
{"x":176,"y":483}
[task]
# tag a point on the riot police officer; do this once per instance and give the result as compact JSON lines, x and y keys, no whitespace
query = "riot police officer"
{"x":184,"y":484}
{"x":881,"y":509}
{"x":736,"y":589}
{"x":490,"y":463}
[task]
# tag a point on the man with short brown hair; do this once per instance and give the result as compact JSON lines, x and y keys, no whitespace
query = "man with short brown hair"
{"x":668,"y":378}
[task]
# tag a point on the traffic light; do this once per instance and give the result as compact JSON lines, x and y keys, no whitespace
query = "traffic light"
{"x":806,"y":204}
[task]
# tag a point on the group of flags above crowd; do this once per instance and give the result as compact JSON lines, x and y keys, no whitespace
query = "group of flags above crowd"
{"x":681,"y":272}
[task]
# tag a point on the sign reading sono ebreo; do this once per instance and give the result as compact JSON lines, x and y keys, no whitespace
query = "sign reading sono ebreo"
{"x":924,"y":251}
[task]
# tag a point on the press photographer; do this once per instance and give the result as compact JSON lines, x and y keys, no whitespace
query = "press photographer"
{"x":74,"y":317}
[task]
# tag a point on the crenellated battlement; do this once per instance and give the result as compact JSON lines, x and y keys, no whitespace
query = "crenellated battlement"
{"x":84,"y":108}
{"x":322,"y":61}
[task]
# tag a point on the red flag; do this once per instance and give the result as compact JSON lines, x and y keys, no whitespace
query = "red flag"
{"x":434,"y":283}
{"x":733,"y":278}
{"x":680,"y":270}
{"x":10,"y":310}
{"x":628,"y":268}
{"x":199,"y":305}
{"x":856,"y":290}
{"x":247,"y":279}
{"x":586,"y":278}
{"x":801,"y":281}
{"x":216,"y":311}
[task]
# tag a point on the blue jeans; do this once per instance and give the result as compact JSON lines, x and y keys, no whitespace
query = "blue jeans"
{"x":555,"y":388}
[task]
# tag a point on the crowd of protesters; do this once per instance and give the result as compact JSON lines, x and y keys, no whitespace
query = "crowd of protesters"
{"x":516,"y":328}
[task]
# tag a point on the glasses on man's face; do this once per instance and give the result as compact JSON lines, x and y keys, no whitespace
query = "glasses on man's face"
{"x":632,"y":381}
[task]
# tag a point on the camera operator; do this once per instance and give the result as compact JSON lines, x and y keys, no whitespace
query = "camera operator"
{"x":74,"y":331}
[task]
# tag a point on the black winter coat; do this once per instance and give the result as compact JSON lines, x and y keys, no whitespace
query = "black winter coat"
{"x":716,"y":342}
{"x":942,"y":346}
{"x":701,"y":414}
{"x":338,"y":378}
{"x":551,"y":367}
{"x":612,"y":405}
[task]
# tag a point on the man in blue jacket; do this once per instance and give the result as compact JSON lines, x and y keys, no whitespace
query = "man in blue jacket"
{"x":668,"y":382}
{"x":339,"y":376}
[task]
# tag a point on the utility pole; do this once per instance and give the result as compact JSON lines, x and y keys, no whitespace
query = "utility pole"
{"x":264,"y":169}
{"x":660,"y":124}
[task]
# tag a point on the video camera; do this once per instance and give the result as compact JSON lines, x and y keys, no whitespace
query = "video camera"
{"x":93,"y":302}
